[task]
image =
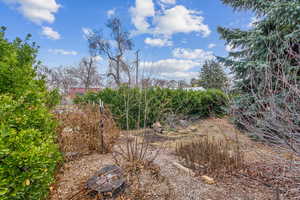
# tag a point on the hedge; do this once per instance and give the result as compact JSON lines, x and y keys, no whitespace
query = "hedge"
{"x":150,"y":105}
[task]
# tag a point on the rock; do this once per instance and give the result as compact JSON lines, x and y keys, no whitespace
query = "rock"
{"x":208,"y":180}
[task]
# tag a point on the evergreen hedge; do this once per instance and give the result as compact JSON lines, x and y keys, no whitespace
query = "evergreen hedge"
{"x":150,"y":105}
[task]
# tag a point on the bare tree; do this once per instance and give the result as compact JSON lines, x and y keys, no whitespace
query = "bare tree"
{"x":160,"y":83}
{"x":59,"y":77}
{"x":172,"y":84}
{"x":114,"y":52}
{"x":182,"y":84}
{"x":86,"y":73}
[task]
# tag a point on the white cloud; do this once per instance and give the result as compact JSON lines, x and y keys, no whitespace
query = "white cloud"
{"x":158,"y":42}
{"x":50,"y":33}
{"x":180,"y":75}
{"x":193,"y":54}
{"x":179,"y":19}
{"x":111,"y":12}
{"x":168,"y":1}
{"x":211,"y":45}
{"x":142,"y":10}
{"x":169,"y":65}
{"x":37,"y":11}
{"x":62,"y":52}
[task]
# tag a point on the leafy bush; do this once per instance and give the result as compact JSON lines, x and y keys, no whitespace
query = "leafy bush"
{"x":53,"y":98}
{"x":133,"y":108}
{"x":28,"y":154}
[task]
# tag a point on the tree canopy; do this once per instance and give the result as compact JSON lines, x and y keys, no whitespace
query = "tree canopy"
{"x":212,"y":75}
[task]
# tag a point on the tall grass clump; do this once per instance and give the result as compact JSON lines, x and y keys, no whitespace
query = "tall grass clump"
{"x":211,"y":156}
{"x":134,"y":108}
{"x":28,"y":153}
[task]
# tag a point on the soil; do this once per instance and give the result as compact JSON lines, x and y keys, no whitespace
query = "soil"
{"x":164,"y":180}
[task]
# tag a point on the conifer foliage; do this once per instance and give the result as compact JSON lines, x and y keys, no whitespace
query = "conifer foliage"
{"x":213,"y":76}
{"x":266,"y":64}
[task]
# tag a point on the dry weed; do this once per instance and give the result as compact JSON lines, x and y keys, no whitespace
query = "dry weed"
{"x":86,"y":130}
{"x":211,"y":156}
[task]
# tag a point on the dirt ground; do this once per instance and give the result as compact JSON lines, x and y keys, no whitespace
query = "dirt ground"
{"x":175,"y":183}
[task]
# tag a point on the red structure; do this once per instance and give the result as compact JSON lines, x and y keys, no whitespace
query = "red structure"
{"x":73,"y":92}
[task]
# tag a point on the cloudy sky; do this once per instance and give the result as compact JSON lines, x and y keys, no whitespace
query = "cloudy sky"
{"x":174,"y":36}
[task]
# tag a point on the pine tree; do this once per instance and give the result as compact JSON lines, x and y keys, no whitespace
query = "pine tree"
{"x":212,"y":75}
{"x":275,"y":38}
{"x":266,"y":64}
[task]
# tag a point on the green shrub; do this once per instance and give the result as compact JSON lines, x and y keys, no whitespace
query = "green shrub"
{"x":150,"y":105}
{"x":28,"y":154}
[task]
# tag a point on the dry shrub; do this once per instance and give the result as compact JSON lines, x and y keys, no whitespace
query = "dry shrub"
{"x":135,"y":153}
{"x":209,"y":155}
{"x":144,"y":180}
{"x":85,"y":130}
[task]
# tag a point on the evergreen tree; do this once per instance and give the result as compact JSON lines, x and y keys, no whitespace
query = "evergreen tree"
{"x":266,"y":64}
{"x":273,"y":42}
{"x":212,"y":75}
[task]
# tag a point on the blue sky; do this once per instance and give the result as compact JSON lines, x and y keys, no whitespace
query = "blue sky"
{"x":175,"y":36}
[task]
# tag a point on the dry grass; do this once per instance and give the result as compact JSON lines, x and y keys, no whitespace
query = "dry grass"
{"x":137,"y":157}
{"x":135,"y":153}
{"x":211,"y":156}
{"x":86,"y":130}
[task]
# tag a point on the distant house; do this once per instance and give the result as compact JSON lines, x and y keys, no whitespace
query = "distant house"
{"x":73,"y":92}
{"x":194,"y":88}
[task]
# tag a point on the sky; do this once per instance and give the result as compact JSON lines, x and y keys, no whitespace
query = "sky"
{"x":175,"y":37}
